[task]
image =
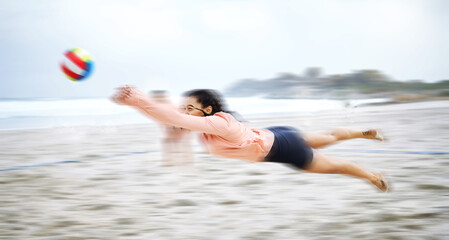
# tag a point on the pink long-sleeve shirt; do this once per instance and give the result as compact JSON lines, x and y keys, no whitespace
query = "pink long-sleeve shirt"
{"x":222,"y":134}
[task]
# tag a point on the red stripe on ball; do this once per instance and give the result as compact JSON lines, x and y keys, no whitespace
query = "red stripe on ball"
{"x":76,"y":60}
{"x":70,"y":73}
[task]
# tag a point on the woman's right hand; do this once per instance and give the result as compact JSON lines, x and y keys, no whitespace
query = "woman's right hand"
{"x":122,"y":94}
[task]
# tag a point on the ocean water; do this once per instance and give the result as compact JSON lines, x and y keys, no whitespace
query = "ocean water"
{"x":47,"y":113}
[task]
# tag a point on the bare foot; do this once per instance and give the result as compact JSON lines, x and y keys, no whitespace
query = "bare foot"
{"x":380,"y":182}
{"x":373,"y":134}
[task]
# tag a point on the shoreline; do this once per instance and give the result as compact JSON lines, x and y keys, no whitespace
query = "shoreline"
{"x":104,"y":123}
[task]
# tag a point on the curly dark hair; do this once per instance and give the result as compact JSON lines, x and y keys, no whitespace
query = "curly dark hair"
{"x":208,"y":97}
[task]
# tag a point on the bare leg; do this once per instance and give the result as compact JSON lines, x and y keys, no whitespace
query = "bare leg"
{"x":167,"y":152}
{"x":319,"y":140}
{"x":324,"y":164}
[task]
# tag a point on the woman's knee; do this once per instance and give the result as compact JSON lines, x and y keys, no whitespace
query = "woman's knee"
{"x":340,"y":134}
{"x":324,"y":164}
{"x":318,"y":140}
{"x":335,"y":166}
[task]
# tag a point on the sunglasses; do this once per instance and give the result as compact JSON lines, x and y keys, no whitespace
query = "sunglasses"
{"x":199,"y":109}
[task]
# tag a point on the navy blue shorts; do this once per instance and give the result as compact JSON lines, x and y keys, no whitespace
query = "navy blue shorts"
{"x":289,"y":147}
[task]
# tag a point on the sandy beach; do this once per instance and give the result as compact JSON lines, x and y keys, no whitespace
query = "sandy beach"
{"x":131,"y":196}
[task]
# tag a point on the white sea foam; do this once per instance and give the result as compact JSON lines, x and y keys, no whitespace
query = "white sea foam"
{"x":44,"y":113}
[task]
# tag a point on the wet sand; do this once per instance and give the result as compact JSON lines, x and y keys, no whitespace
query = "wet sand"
{"x":134,"y":197}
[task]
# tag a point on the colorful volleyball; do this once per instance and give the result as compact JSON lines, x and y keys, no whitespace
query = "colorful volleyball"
{"x":77,"y":64}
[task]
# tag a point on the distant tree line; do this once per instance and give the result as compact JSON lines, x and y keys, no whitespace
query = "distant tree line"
{"x":362,"y":82}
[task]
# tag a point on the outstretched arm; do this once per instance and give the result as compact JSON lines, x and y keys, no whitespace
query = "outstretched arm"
{"x":168,"y":114}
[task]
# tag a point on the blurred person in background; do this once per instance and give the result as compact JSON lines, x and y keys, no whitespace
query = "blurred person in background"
{"x":223,"y":135}
{"x":176,"y":141}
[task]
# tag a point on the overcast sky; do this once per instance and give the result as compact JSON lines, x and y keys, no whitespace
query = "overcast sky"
{"x":179,"y":45}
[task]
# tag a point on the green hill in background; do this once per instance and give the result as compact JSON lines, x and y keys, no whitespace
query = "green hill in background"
{"x":359,"y":84}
